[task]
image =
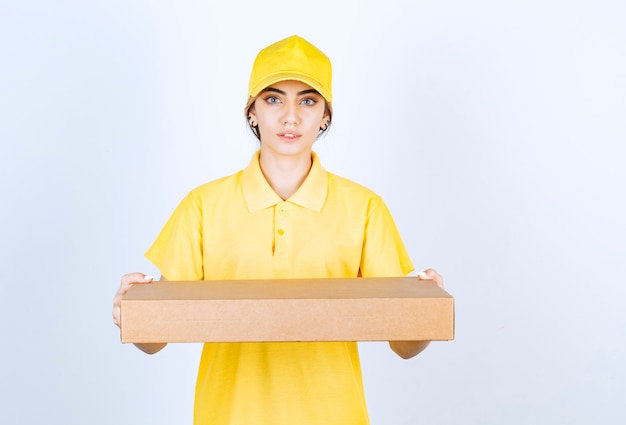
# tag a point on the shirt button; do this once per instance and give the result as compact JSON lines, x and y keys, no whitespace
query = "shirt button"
{"x":281,"y":232}
{"x":282,"y":210}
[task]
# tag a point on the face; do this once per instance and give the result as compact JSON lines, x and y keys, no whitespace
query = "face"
{"x":289,"y":115}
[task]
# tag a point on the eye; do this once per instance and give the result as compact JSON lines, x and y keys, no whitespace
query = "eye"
{"x":272,"y":99}
{"x":308,"y":101}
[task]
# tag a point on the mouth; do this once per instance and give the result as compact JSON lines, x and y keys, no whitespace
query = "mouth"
{"x":289,"y":136}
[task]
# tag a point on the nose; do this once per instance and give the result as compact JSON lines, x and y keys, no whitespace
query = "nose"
{"x":290,"y":117}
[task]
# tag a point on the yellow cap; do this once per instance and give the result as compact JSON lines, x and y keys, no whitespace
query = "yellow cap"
{"x":293,"y":58}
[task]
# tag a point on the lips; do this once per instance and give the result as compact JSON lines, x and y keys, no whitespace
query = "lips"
{"x":289,"y":136}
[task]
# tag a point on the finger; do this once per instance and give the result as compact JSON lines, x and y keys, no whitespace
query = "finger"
{"x":431,"y":274}
{"x":130,"y":279}
{"x":116,"y":316}
{"x":127,"y":281}
{"x":435,"y":276}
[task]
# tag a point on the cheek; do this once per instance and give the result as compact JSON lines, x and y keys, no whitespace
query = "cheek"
{"x":262,"y":118}
{"x":315,"y":119}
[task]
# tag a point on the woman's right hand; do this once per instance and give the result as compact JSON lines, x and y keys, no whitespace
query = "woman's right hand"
{"x":128,"y":280}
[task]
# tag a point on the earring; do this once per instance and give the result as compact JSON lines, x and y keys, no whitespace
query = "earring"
{"x":251,"y":121}
{"x":324,"y":126}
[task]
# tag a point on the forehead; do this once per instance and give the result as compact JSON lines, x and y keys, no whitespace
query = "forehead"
{"x":290,"y":86}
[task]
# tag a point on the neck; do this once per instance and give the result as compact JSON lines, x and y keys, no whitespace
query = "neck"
{"x":285,"y":174}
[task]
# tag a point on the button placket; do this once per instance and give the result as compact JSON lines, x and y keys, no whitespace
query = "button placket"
{"x":283,"y":226}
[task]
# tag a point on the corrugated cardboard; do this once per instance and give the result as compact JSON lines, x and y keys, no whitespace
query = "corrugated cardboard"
{"x":359,"y":309}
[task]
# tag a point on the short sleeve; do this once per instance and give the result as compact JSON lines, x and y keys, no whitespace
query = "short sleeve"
{"x":384,"y":253}
{"x":177,"y":251}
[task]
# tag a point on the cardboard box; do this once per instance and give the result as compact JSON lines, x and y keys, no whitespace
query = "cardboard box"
{"x":350,"y":309}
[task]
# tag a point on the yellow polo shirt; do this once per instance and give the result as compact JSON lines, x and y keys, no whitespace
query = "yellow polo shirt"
{"x":237,"y":227}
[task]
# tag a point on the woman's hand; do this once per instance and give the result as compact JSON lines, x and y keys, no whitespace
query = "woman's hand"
{"x":128,"y":280}
{"x":408,"y":349}
{"x":431,"y":274}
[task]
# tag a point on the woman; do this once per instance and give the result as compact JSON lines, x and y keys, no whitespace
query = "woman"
{"x":281,"y":217}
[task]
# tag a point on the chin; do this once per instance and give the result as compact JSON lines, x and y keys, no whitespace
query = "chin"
{"x":289,"y":150}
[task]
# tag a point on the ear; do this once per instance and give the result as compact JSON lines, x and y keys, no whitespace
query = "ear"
{"x":252,"y":116}
{"x":325,"y":121}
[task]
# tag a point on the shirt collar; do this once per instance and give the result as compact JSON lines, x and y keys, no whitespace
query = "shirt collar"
{"x":259,"y":195}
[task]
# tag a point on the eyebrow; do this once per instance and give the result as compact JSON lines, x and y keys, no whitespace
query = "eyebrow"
{"x":300,"y":93}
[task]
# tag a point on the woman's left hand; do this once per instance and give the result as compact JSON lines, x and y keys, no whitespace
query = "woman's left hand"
{"x":408,"y":349}
{"x":431,"y":274}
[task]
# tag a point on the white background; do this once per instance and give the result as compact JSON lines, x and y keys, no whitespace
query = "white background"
{"x":495,"y":132}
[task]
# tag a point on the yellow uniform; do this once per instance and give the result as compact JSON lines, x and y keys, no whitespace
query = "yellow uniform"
{"x":237,"y":227}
